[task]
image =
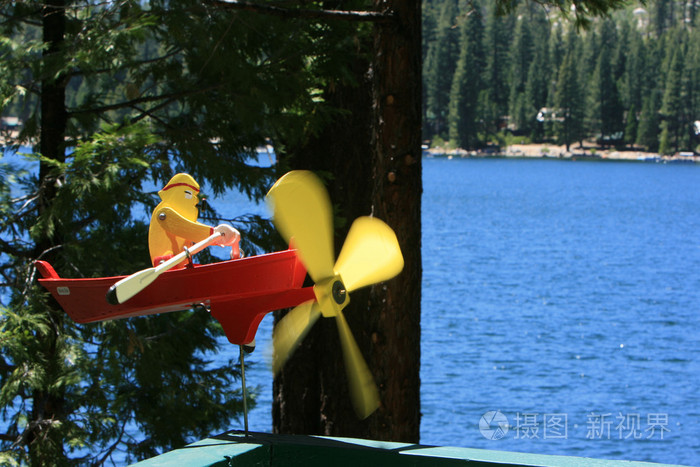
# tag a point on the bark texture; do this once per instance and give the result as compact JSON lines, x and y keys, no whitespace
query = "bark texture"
{"x":373,"y":157}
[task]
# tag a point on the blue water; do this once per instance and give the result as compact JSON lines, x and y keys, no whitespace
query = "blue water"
{"x":565,"y":295}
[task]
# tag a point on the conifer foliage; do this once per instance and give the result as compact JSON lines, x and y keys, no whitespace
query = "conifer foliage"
{"x":626,"y":79}
{"x":114,"y":98}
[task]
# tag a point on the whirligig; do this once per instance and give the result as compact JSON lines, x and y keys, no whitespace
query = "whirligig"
{"x":240,"y":291}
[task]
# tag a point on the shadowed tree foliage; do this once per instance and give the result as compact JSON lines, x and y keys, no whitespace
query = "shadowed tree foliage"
{"x":115,"y":98}
{"x":676,"y":100}
{"x":464,"y":106}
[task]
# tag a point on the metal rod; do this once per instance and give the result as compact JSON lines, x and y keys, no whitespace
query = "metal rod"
{"x":245,"y":394}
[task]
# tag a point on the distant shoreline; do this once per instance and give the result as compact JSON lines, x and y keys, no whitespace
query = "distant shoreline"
{"x":548,"y":151}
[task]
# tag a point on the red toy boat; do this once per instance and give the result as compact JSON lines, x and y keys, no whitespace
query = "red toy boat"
{"x":238,"y":292}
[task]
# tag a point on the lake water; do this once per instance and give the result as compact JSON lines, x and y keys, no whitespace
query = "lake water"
{"x":565,"y":295}
{"x":560,"y":298}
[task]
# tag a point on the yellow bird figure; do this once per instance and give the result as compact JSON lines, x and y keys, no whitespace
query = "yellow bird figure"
{"x":174,"y":222}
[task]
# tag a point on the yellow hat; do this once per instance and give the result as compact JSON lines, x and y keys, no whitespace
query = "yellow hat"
{"x":181,"y":179}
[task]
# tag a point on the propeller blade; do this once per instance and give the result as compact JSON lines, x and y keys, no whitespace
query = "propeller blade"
{"x":290,"y":330}
{"x":370,"y":254}
{"x":301,"y":210}
{"x":363,"y":390}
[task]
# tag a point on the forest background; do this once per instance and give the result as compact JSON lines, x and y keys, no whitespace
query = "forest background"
{"x":629,"y":80}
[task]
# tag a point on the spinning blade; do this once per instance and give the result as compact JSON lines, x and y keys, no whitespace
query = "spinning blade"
{"x":290,"y":330}
{"x":301,"y":209}
{"x":371,"y":254}
{"x":363,"y":391}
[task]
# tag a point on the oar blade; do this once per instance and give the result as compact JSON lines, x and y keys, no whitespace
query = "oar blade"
{"x":290,"y":331}
{"x":135,"y":283}
{"x":363,"y":390}
{"x":370,"y":254}
{"x":131,"y":285}
{"x":302,"y":212}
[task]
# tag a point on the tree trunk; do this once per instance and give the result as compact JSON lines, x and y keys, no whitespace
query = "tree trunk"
{"x":48,"y":406}
{"x":396,"y":196}
{"x":374,"y":157}
{"x":310,"y":393}
{"x":53,"y":118}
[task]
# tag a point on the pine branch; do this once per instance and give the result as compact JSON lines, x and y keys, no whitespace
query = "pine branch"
{"x":122,"y":105}
{"x":11,"y":249}
{"x":110,"y":450}
{"x":78,"y":72}
{"x":151,"y":113}
{"x":20,"y":19}
{"x":345,"y":15}
{"x":164,"y":99}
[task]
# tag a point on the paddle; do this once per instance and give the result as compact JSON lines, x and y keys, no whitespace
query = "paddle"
{"x":135,"y":283}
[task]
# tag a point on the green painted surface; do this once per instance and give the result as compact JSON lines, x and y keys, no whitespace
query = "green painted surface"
{"x":210,"y":452}
{"x":262,"y":450}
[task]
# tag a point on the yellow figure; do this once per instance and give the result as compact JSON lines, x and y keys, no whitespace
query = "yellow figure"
{"x":174,"y":222}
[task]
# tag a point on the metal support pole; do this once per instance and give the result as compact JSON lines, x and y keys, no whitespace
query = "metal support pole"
{"x":245,"y":393}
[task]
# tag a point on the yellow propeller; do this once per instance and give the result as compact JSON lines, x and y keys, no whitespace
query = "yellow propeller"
{"x":371,"y":254}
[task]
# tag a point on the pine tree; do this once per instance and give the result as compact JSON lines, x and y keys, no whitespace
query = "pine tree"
{"x":521,"y":55}
{"x":690,"y":91}
{"x":535,"y":98}
{"x":661,"y":16}
{"x":557,"y":49}
{"x":568,"y":101}
{"x":590,"y":50}
{"x":467,"y":84}
{"x":648,"y":130}
{"x":496,"y":42}
{"x":620,"y":48}
{"x":605,"y":113}
{"x":673,"y":103}
{"x":693,"y":6}
{"x":429,"y":19}
{"x":633,"y":84}
{"x":539,"y":75}
{"x":439,"y":68}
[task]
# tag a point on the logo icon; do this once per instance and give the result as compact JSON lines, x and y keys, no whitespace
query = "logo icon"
{"x":493,"y":425}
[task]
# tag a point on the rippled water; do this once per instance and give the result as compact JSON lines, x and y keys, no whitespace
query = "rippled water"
{"x":565,"y":295}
